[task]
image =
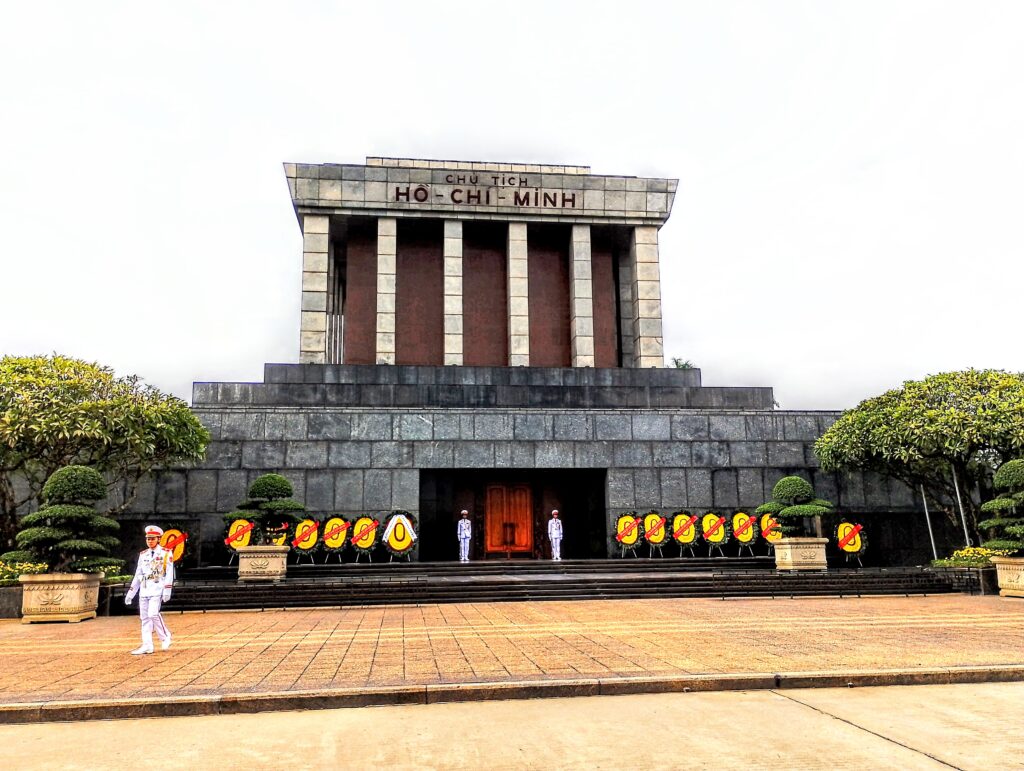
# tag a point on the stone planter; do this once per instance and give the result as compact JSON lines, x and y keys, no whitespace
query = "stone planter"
{"x":800,"y":554}
{"x":59,"y":596}
{"x":262,"y":563}
{"x":1010,"y":574}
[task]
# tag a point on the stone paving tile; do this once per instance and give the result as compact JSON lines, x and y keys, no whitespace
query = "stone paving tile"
{"x":252,"y":652}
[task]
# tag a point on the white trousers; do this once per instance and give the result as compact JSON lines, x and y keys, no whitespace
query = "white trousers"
{"x":464,"y":550}
{"x":149,"y":612}
{"x":556,"y":548}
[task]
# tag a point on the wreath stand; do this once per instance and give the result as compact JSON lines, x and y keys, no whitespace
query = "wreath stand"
{"x":748,"y":546}
{"x":330,"y":552}
{"x":653,"y":546}
{"x":712,"y":547}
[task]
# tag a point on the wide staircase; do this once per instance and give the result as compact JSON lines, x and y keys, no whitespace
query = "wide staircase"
{"x":217,"y":588}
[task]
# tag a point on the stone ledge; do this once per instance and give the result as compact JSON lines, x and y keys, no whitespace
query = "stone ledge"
{"x":240,"y":703}
{"x":406,"y":374}
{"x":455,"y":396}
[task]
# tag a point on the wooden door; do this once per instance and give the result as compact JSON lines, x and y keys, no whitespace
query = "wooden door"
{"x":509,"y":519}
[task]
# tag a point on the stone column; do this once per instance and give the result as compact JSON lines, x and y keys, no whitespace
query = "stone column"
{"x":313,"y":324}
{"x":387,"y":230}
{"x":518,"y":297}
{"x":452,"y":292}
{"x":581,"y":298}
{"x":643,"y":258}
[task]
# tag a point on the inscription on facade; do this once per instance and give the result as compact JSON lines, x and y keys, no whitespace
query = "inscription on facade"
{"x":496,"y":190}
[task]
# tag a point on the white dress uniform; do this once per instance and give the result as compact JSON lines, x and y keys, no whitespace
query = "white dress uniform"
{"x":555,"y":536}
{"x":153,"y":580}
{"x":465,"y":534}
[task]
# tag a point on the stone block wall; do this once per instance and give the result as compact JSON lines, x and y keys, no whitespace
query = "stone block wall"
{"x":358,"y":459}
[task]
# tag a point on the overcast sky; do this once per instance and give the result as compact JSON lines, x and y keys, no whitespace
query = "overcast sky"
{"x":850,"y":210}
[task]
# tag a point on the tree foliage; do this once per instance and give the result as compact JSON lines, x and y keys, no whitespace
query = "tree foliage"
{"x":57,"y":411}
{"x":67,"y":533}
{"x":954,"y":423}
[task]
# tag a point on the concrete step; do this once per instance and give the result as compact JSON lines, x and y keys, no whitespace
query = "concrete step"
{"x":377,"y":587}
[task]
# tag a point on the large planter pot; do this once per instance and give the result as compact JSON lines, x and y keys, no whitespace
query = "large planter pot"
{"x":800,"y":554}
{"x":59,"y":596}
{"x":1010,"y":575}
{"x":262,"y":563}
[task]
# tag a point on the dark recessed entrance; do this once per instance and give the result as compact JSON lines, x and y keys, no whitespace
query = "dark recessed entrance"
{"x":509,"y":510}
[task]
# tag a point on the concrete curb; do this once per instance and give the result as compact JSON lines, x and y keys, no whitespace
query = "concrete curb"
{"x":240,"y":703}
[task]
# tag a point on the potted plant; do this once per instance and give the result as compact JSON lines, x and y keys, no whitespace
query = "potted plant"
{"x":74,"y":542}
{"x":794,"y":504}
{"x":273,"y":513}
{"x":1007,"y":527}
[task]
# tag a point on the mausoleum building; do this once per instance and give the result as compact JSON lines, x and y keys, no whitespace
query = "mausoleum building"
{"x":488,"y":336}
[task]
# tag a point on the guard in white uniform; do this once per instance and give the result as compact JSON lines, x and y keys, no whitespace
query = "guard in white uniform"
{"x":465,"y":535}
{"x":153,"y":580}
{"x":555,"y":535}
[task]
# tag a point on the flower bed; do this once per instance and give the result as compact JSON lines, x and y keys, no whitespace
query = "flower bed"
{"x":970,"y":557}
{"x":9,"y":571}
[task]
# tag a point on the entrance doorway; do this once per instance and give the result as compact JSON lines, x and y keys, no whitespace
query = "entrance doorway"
{"x":509,"y":511}
{"x":508,"y":519}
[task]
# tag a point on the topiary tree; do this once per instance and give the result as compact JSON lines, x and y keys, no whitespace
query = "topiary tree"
{"x":1004,"y":521}
{"x":57,"y":411}
{"x":67,"y":533}
{"x":269,"y":506}
{"x":793,"y":500}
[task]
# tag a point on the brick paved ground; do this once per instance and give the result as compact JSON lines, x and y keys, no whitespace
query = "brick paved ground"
{"x":302,"y":650}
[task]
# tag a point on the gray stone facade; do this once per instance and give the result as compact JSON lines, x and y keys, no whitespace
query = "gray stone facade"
{"x":368,"y":438}
{"x":357,"y":458}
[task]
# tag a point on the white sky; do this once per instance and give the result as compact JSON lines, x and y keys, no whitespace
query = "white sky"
{"x":851,"y":200}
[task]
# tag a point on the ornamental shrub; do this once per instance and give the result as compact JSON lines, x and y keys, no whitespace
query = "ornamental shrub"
{"x":793,"y":501}
{"x":74,"y":484}
{"x":270,"y":487}
{"x":67,"y":534}
{"x":1006,"y":525}
{"x":269,"y":506}
{"x":1010,"y":476}
{"x":792,"y":490}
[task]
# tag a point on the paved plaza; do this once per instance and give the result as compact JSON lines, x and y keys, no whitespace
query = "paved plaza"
{"x":979,"y":726}
{"x":579,"y":648}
